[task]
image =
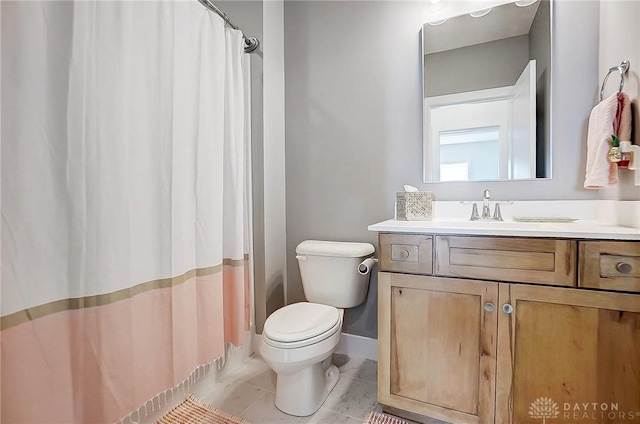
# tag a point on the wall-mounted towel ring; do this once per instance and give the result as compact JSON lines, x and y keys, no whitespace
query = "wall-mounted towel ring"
{"x":623,"y":68}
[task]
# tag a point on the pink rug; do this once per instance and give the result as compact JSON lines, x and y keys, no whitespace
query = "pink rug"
{"x":381,"y":418}
{"x":193,"y":410}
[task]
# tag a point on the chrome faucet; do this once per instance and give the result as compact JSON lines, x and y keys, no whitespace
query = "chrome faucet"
{"x":486,"y":197}
{"x":486,"y":210}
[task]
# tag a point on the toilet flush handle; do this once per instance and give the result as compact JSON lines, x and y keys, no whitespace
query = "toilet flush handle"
{"x":302,"y":258}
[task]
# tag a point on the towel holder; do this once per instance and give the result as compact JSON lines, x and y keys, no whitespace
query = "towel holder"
{"x":623,"y":68}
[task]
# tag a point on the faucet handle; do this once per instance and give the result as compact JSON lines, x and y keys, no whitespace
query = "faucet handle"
{"x":474,"y":209}
{"x":474,"y":212}
{"x":497,"y":215}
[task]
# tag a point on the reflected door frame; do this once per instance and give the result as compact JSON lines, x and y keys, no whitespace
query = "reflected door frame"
{"x":477,"y":120}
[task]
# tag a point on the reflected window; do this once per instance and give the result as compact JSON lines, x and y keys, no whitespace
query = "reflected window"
{"x":454,"y":171}
{"x":470,"y":154}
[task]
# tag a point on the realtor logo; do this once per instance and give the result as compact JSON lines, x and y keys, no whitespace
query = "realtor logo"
{"x":544,"y":408}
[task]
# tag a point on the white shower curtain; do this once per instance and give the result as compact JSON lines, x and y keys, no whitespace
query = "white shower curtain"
{"x":125,"y":235}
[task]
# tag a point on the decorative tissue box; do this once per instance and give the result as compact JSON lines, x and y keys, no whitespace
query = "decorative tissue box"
{"x":413,"y":205}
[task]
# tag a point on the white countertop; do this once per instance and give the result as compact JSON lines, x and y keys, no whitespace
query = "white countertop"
{"x":581,"y":229}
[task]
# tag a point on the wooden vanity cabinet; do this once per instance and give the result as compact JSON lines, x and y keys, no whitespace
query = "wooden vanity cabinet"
{"x":532,"y":344}
{"x":570,"y":346}
{"x":437,"y":346}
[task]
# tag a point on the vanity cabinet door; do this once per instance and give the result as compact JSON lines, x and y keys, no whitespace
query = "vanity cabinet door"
{"x":567,"y":356}
{"x":437,"y":346}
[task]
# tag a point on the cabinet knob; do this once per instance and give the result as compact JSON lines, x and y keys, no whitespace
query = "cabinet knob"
{"x":624,"y":268}
{"x":507,"y":308}
{"x":489,"y":307}
{"x":404,"y":253}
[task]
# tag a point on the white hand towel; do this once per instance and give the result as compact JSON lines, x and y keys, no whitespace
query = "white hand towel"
{"x":600,"y":172}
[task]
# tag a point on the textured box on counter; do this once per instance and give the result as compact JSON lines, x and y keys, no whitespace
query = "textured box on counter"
{"x":414,"y":205}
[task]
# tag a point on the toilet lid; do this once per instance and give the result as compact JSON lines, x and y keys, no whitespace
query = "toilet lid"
{"x":300,"y":321}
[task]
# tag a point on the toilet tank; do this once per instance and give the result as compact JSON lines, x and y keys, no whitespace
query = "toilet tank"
{"x":329,"y":271}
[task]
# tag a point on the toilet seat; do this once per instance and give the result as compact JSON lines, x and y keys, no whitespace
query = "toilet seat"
{"x":301,"y":324}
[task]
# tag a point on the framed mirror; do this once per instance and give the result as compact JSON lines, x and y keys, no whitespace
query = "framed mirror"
{"x":487,"y":92}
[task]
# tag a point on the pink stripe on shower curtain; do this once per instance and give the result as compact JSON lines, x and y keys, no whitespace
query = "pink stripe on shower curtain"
{"x":95,"y":365}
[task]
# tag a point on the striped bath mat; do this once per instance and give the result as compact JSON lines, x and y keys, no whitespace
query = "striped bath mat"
{"x":381,"y":418}
{"x":193,"y":410}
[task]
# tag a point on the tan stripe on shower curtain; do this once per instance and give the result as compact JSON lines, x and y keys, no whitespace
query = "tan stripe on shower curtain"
{"x":40,"y":311}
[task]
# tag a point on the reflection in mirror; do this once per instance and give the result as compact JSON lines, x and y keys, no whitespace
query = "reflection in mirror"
{"x":487,"y":93}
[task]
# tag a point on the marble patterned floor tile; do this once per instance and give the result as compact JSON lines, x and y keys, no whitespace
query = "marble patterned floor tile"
{"x":353,"y":397}
{"x":264,"y":411}
{"x":251,"y":368}
{"x":248,"y":390}
{"x":229,"y":397}
{"x":325,"y":416}
{"x":364,"y":369}
{"x":266,"y":380}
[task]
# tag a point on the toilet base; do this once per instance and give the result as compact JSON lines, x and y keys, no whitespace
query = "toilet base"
{"x":301,"y":393}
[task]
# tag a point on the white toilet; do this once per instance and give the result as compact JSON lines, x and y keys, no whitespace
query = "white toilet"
{"x":299,"y":339}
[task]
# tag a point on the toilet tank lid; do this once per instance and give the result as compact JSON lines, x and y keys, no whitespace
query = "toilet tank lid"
{"x":335,"y":248}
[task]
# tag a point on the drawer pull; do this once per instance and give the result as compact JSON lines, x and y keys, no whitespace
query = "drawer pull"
{"x":624,"y":268}
{"x":404,"y":253}
{"x":489,"y":307}
{"x":507,"y":308}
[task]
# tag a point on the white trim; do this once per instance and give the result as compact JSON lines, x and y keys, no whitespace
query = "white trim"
{"x":362,"y":347}
{"x":477,"y":96}
{"x":274,"y":167}
{"x":255,"y":343}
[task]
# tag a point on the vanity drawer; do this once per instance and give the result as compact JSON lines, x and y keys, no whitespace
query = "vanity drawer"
{"x":609,"y":265}
{"x":407,"y":253}
{"x":522,"y":260}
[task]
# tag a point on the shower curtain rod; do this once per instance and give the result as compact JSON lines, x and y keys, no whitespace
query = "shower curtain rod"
{"x":250,"y":43}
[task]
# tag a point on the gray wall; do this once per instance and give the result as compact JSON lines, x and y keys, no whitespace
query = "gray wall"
{"x":488,"y":65}
{"x":613,"y":49}
{"x":354,"y":126}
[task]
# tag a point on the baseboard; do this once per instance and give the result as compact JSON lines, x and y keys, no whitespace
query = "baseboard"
{"x":255,"y":343}
{"x":362,"y":347}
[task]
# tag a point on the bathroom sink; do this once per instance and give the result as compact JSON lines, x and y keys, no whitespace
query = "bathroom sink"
{"x":545,"y":219}
{"x":529,"y":225}
{"x":510,"y":228}
{"x":489,"y":223}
